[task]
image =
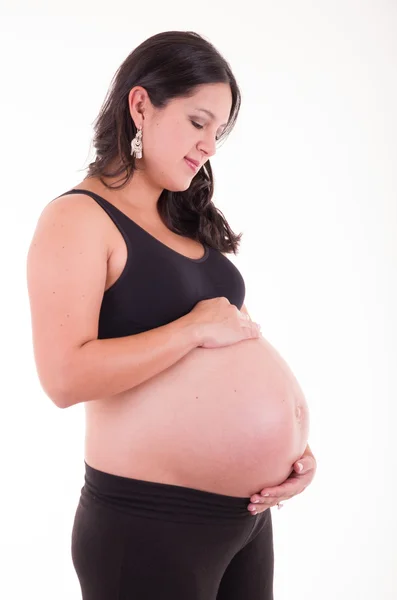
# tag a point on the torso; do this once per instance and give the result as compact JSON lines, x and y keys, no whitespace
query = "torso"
{"x":229,"y":420}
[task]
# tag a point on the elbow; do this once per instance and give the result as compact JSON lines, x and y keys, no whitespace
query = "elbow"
{"x":59,"y":397}
{"x":61,"y":400}
{"x":70,"y":394}
{"x":60,"y":380}
{"x":59,"y":393}
{"x":67,"y":395}
{"x":66,"y":385}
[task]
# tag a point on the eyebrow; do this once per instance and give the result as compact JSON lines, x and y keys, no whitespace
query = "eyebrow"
{"x":210,"y":114}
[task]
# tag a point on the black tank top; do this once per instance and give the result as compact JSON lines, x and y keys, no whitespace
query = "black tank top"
{"x":159,"y":285}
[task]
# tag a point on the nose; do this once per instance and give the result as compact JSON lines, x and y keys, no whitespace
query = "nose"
{"x":208,"y":145}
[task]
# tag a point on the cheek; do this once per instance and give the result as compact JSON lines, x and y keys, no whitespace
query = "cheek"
{"x":177,"y":141}
{"x":168,"y":145}
{"x":164,"y":151}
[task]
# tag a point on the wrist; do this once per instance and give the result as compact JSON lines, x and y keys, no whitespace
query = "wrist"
{"x":193,"y":331}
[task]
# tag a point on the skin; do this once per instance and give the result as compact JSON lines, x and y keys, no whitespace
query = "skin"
{"x":304,"y":470}
{"x":296,"y":483}
{"x":172,"y":128}
{"x":177,"y":128}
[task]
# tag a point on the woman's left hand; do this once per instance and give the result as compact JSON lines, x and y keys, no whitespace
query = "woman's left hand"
{"x":295,"y":484}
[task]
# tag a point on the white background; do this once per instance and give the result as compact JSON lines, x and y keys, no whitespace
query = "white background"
{"x":309,"y":176}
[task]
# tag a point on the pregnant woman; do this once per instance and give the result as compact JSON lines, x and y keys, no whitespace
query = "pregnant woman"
{"x":138,"y":313}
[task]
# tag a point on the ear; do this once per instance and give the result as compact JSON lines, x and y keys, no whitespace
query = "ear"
{"x":139,"y":103}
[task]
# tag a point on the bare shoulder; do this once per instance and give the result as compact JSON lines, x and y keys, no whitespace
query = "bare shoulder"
{"x":66,"y":277}
{"x":80,"y":209}
{"x":80,"y":212}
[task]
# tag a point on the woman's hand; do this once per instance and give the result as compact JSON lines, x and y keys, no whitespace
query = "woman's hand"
{"x":295,"y":484}
{"x":219,"y":323}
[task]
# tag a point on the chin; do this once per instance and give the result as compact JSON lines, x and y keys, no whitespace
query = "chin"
{"x":174,"y":186}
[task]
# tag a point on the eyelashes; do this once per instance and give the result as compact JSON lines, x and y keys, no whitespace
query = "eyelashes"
{"x":201,"y":127}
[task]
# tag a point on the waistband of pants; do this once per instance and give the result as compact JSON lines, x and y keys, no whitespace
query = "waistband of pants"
{"x":150,"y":498}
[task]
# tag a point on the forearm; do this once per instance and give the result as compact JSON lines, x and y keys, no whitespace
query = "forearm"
{"x":106,"y":367}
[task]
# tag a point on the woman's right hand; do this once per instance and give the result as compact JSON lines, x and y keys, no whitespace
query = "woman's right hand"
{"x":220,"y":323}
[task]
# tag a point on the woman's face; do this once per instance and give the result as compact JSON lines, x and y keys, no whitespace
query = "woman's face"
{"x":182,"y":130}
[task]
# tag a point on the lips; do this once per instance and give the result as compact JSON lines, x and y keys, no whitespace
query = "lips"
{"x":195,"y":162}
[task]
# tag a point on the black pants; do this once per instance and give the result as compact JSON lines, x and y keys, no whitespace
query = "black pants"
{"x":141,"y":540}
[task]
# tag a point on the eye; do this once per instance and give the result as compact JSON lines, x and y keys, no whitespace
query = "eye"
{"x":201,"y":127}
{"x":196,"y":125}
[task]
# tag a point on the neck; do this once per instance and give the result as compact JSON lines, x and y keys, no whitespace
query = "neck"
{"x":140,"y":193}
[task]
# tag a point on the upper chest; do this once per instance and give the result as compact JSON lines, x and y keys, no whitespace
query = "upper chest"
{"x":118,"y":251}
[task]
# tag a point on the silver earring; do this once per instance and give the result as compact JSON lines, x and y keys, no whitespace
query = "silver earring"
{"x":136,"y":144}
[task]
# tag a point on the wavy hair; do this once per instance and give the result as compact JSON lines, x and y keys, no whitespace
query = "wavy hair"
{"x":168,"y":65}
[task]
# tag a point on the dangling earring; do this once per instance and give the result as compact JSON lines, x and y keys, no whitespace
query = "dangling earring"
{"x":136,"y":144}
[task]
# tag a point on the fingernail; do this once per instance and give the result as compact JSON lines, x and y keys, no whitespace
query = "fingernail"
{"x":266,"y":494}
{"x":300,"y":467}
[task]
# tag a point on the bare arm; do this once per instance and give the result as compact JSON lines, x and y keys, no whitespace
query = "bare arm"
{"x":108,"y":367}
{"x":111,"y":366}
{"x":66,"y":275}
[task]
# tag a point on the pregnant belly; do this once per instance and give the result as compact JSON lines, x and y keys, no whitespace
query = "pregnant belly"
{"x":229,"y":420}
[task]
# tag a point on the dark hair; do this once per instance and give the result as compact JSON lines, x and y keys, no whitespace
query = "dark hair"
{"x":168,"y":65}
